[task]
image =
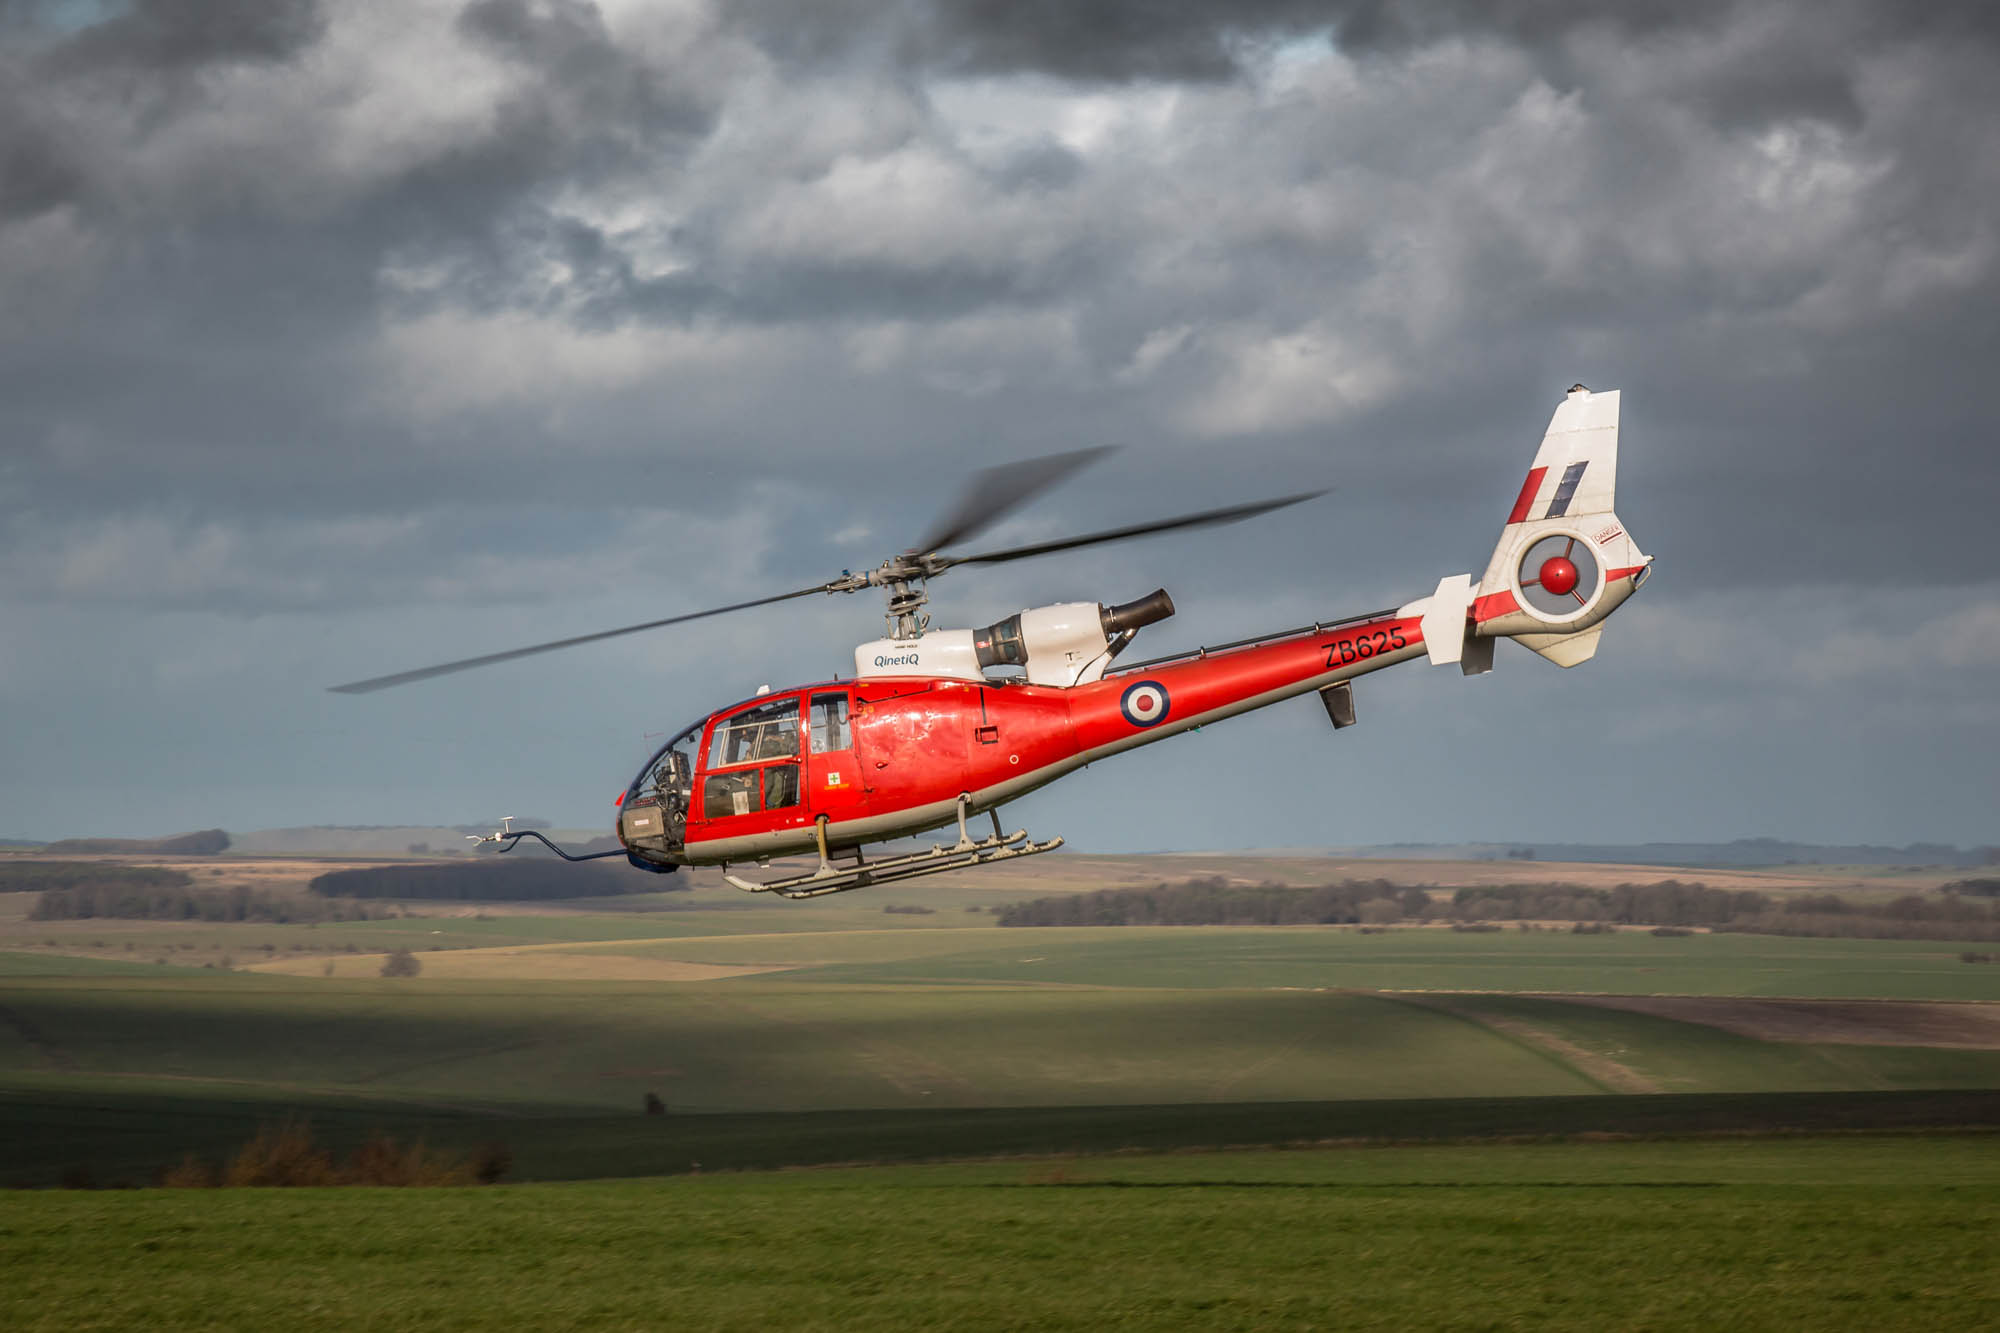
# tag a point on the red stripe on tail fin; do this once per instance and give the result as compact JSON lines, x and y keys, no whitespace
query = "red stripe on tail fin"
{"x":1526,"y":500}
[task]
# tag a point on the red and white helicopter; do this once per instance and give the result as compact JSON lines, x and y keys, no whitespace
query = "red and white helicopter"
{"x":937,"y":726}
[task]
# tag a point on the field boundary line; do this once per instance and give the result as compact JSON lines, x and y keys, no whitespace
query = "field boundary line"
{"x":1611,"y":1075}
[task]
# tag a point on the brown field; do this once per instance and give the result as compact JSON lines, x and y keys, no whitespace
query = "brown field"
{"x":1065,"y":873}
{"x":1838,"y":1022}
{"x":531,"y":962}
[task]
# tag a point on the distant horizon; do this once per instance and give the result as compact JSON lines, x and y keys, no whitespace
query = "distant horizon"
{"x":1973,"y":854}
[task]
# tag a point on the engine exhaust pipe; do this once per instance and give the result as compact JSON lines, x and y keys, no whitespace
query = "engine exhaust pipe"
{"x":1148,"y":610}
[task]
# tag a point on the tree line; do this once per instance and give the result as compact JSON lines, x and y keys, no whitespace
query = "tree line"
{"x":1216,"y":902}
{"x":205,"y":842}
{"x":1667,"y":903}
{"x":29,"y":876}
{"x":491,"y":879}
{"x":182,"y":902}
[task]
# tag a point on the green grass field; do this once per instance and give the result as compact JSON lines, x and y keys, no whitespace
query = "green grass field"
{"x":917,"y":1017}
{"x":1329,"y":957}
{"x":1858,"y":1231}
{"x":774,"y":1043}
{"x":905,"y":1038}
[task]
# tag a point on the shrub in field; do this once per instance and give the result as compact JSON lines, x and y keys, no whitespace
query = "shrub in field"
{"x":287,"y":1155}
{"x":190,"y":1173}
{"x":1381,"y":911}
{"x":383,"y":1161}
{"x":284,"y":1155}
{"x":401,"y":963}
{"x":491,"y":1161}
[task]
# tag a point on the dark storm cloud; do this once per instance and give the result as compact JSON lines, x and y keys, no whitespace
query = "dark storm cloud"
{"x":585,"y":73}
{"x":149,"y":57}
{"x":1803,"y":66}
{"x":174,"y":36}
{"x":1768,"y":223}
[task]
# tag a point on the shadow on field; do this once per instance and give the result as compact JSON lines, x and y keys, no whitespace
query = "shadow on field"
{"x":130,"y":1136}
{"x":1351,"y":1187}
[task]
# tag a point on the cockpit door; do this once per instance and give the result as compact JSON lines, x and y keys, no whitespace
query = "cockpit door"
{"x":833,"y":773}
{"x":749,"y":780}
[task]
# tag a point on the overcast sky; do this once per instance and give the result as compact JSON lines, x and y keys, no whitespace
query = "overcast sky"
{"x":343,"y":337}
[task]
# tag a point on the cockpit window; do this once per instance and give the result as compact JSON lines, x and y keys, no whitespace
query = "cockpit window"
{"x":768,"y":731}
{"x":829,"y":723}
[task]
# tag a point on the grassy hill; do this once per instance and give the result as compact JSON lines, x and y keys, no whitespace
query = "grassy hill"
{"x":549,"y":1025}
{"x":1852,"y":1232}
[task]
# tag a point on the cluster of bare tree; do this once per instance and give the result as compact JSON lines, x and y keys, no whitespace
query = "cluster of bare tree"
{"x":491,"y":879}
{"x":182,"y":902}
{"x":1668,"y":904}
{"x":206,"y":842}
{"x":1216,"y":902}
{"x":28,"y":876}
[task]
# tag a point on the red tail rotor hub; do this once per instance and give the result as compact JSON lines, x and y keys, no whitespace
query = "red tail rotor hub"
{"x":1558,"y":576}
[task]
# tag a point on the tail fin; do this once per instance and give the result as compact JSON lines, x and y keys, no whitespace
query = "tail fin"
{"x":1564,"y":560}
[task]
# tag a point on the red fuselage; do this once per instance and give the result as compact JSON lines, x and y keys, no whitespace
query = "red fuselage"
{"x":886,"y":757}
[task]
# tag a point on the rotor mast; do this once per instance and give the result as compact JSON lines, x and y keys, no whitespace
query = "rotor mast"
{"x":903,"y":578}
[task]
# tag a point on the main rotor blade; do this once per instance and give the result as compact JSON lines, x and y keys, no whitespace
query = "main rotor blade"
{"x":467,"y":664}
{"x":1206,"y":518}
{"x":998,"y":491}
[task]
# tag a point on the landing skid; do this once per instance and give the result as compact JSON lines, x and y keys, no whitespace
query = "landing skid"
{"x":830,"y":878}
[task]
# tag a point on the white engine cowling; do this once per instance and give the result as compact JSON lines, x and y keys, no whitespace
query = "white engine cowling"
{"x":1067,"y":644}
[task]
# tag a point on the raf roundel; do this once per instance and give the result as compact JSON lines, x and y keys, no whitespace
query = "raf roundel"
{"x":1144,"y":704}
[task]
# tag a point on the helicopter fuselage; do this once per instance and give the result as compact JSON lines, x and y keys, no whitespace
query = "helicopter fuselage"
{"x":881,"y":758}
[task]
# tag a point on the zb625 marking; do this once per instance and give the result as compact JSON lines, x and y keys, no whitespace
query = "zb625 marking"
{"x":1346,"y":652}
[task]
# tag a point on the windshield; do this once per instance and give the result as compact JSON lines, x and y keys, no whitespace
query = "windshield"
{"x":670,"y":770}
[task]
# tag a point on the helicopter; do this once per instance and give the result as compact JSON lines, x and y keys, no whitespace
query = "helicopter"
{"x":937,"y":726}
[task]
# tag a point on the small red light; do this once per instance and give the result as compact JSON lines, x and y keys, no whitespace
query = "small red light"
{"x":620,"y":801}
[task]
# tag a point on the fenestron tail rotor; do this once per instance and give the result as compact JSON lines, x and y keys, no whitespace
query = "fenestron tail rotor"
{"x":1558,"y":574}
{"x":989,"y":496}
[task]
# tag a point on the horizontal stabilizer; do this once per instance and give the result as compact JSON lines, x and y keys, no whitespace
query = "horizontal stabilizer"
{"x":1444,"y":619}
{"x":1565,"y":650}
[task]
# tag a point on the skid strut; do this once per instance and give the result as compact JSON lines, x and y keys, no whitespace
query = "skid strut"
{"x":830,"y":878}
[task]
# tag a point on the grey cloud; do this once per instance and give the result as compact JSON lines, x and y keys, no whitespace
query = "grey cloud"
{"x":35,"y":173}
{"x":611,"y":92}
{"x":174,"y":36}
{"x":636,"y":315}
